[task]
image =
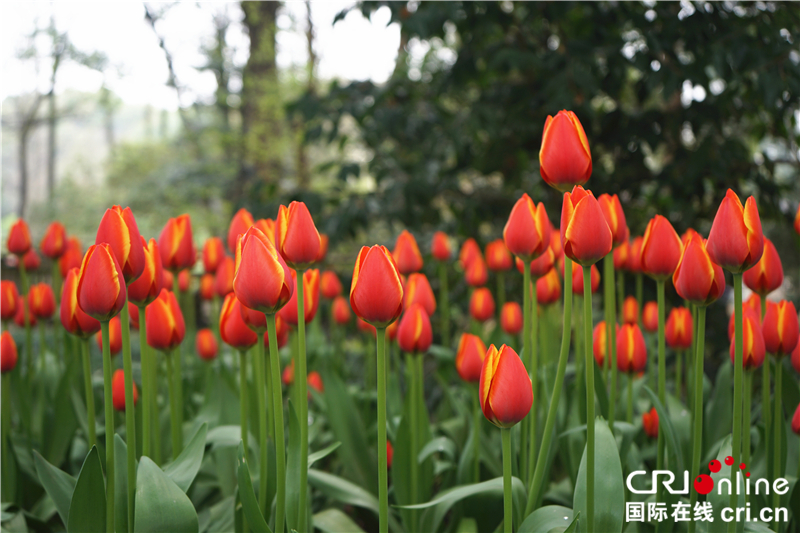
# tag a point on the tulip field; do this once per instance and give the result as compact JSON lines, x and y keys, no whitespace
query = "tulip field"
{"x":153,"y":383}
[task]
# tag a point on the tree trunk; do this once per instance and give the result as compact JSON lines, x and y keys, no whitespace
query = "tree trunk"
{"x":51,"y":142}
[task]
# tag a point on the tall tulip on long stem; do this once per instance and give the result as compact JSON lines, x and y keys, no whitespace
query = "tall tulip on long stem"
{"x":469,"y":362}
{"x":440,"y":248}
{"x":19,"y":243}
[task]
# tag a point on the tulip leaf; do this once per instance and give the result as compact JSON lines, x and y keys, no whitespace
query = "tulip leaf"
{"x":609,"y":488}
{"x":58,"y":484}
{"x":161,"y":505}
{"x":120,"y":485}
{"x":600,"y":391}
{"x":292,"y":470}
{"x":546,"y":518}
{"x":334,"y":521}
{"x":665,"y":425}
{"x":250,"y":508}
{"x":87,"y":509}
{"x":440,"y":444}
{"x":184,"y":468}
{"x":321,"y":454}
{"x":59,"y":434}
{"x":718,"y":407}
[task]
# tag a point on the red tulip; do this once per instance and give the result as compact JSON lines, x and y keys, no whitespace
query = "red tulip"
{"x":498,"y":257}
{"x":678,"y":330}
{"x":735,"y":242}
{"x":630,"y":310}
{"x":147,"y":288}
{"x":650,"y":423}
{"x":469,"y":251}
{"x":24,"y":314}
{"x":323,"y":247}
{"x":31,"y":260}
{"x":781,"y":330}
{"x":263,"y":281}
{"x":615,"y":217}
{"x":635,"y":258}
{"x":207,"y":287}
{"x":548,"y":288}
{"x":767,"y":274}
{"x":752,"y":304}
{"x":650,"y":317}
{"x":118,"y":229}
{"x":687,"y":236}
{"x":564,"y":158}
{"x":440,"y":246}
{"x":8,"y":299}
{"x":469,"y":357}
{"x":556,"y":244}
{"x":74,"y":320}
{"x":753,"y":341}
{"x":267,"y":227}
{"x":796,"y":358}
{"x":541,"y":265}
{"x":69,"y":260}
{"x":376,"y":294}
{"x":511,"y":318}
{"x":315,"y":382}
{"x":418,"y":290}
{"x":19,"y":238}
{"x":341,"y":310}
{"x":481,"y":304}
{"x":365,"y":327}
{"x":118,"y":391}
{"x":506,"y":392}
{"x":631,"y":349}
{"x":697,"y":279}
{"x":133,"y":315}
{"x":240,"y":223}
{"x":406,"y":254}
{"x":287,"y":376}
{"x":414,"y":334}
{"x":206,"y":344}
{"x":329,"y":285}
{"x":476,"y":274}
{"x":389,"y":454}
{"x":43,"y":301}
{"x":797,"y":221}
{"x":101,"y":285}
{"x":8,"y":353}
{"x":600,"y":342}
{"x":255,"y":320}
{"x":54,"y":242}
{"x":310,"y":298}
{"x":584,"y":231}
{"x":223,"y":282}
{"x":232,"y":328}
{"x":167,"y":280}
{"x":165,"y":326}
{"x":176,"y":245}
{"x":622,"y":255}
{"x":114,"y":337}
{"x":527,"y":231}
{"x":577,"y":279}
{"x":213,"y":252}
{"x":296,"y":236}
{"x":184,"y":280}
{"x":391,"y":330}
{"x":661,"y":249}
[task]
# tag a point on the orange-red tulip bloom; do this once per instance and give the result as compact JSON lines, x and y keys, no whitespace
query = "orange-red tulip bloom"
{"x":147,"y":288}
{"x":389,"y":454}
{"x":8,"y":353}
{"x":622,"y":255}
{"x":213,"y":252}
{"x":296,"y":236}
{"x":310,"y":298}
{"x":541,"y":265}
{"x":101,"y":285}
{"x":735,"y":242}
{"x":232,"y":328}
{"x":24,"y":314}
{"x":584,"y":230}
{"x":506,"y":392}
{"x":31,"y":260}
{"x":661,"y":249}
{"x":323,"y":247}
{"x":414,"y":334}
{"x":118,"y":228}
{"x":8,"y":299}
{"x":678,"y":330}
{"x":630,"y":310}
{"x":240,"y":223}
{"x":600,"y":342}
{"x":481,"y":304}
{"x":631,"y":349}
{"x":548,"y":288}
{"x":564,"y":158}
{"x":797,"y":221}
{"x":650,"y":423}
{"x":70,"y":259}
{"x":114,"y":337}
{"x":577,"y":279}
{"x":753,"y":341}
{"x":165,"y":326}
{"x":207,"y":291}
{"x":118,"y":391}
{"x":255,"y":320}
{"x":168,"y":280}
{"x":19,"y":238}
{"x":329,"y":285}
{"x":341,"y":310}
{"x":511,"y":318}
{"x":469,"y":357}
{"x":43,"y":301}
{"x":176,"y":245}
{"x":418,"y":290}
{"x":469,"y":251}
{"x":54,"y":242}
{"x":184,"y":280}
{"x":315,"y":382}
{"x":376,"y":294}
{"x":635,"y":259}
{"x":477,"y":273}
{"x":223,"y":281}
{"x":698,"y":279}
{"x":267,"y":227}
{"x":406,"y":254}
{"x":751,"y":305}
{"x":133,"y":315}
{"x":263,"y":281}
{"x":615,"y":217}
{"x":527,"y":231}
{"x":497,"y":256}
{"x":766,"y":275}
{"x":781,"y":329}
{"x":206,"y":344}
{"x":440,"y":246}
{"x":650,"y":317}
{"x":74,"y":320}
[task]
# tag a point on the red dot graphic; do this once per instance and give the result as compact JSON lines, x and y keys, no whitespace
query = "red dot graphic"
{"x":747,"y":474}
{"x":714,"y":466}
{"x":742,"y":466}
{"x":703,"y":484}
{"x":729,"y":460}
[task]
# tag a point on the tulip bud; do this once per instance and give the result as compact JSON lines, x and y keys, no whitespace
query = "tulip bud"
{"x":389,"y":454}
{"x":167,"y":280}
{"x":418,"y":290}
{"x":54,"y":242}
{"x":267,"y":227}
{"x":8,"y":353}
{"x":31,"y":260}
{"x":650,"y":423}
{"x":114,"y":337}
{"x":74,"y":320}
{"x":440,"y":246}
{"x":315,"y":382}
{"x":296,"y":236}
{"x":206,"y":344}
{"x":469,"y":251}
{"x":101,"y":285}
{"x":118,"y":391}
{"x":476,"y":274}
{"x":223,"y":282}
{"x":506,"y":392}
{"x":577,"y":278}
{"x":650,"y":317}
{"x":232,"y":328}
{"x":541,"y":265}
{"x":165,"y":326}
{"x":600,"y":342}
{"x":752,"y":304}
{"x":498,"y":257}
{"x":341,"y":310}
{"x":133,"y":315}
{"x":635,"y":259}
{"x":678,"y":330}
{"x":329,"y":285}
{"x":511,"y":318}
{"x":184,"y":280}
{"x":753,"y":341}
{"x":631,"y":349}
{"x":481,"y":304}
{"x":661,"y":249}
{"x":119,"y":230}
{"x":697,"y":279}
{"x":24,"y":315}
{"x":548,"y":288}
{"x":376,"y":294}
{"x":414,"y":334}
{"x":564,"y":158}
{"x":622,"y":255}
{"x":781,"y":330}
{"x":147,"y":288}
{"x":43,"y":301}
{"x":176,"y":245}
{"x":584,"y":230}
{"x":527,"y":231}
{"x":70,"y":259}
{"x":263,"y":281}
{"x":469,"y":357}
{"x":406,"y":254}
{"x":207,"y":291}
{"x":767,"y":274}
{"x":323,"y":247}
{"x":287,"y":376}
{"x":19,"y":238}
{"x":735,"y":242}
{"x":615,"y":218}
{"x":630,"y":310}
{"x":797,"y":221}
{"x":240,"y":223}
{"x":8,"y":299}
{"x":213,"y":252}
{"x":310,"y":297}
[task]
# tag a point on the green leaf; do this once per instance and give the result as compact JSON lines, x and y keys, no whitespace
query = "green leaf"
{"x":161,"y":505}
{"x":546,"y":518}
{"x":224,"y":437}
{"x":249,"y":502}
{"x":60,"y":433}
{"x":87,"y":509}
{"x":321,"y":454}
{"x":293,"y":470}
{"x":665,"y":424}
{"x":335,"y":521}
{"x":121,"y":485}
{"x":58,"y":484}
{"x":440,"y":444}
{"x":184,"y":468}
{"x":718,"y":407}
{"x":600,"y":391}
{"x":609,"y":488}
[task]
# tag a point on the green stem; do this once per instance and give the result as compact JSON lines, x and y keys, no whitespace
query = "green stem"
{"x":109,"y":429}
{"x":444,"y":302}
{"x":501,"y":290}
{"x":179,"y":392}
{"x":302,"y":385}
{"x":476,"y":435}
{"x":173,"y":406}
{"x":268,"y":385}
{"x":383,"y":490}
{"x":23,"y":274}
{"x":737,"y":388}
{"x":243,"y":400}
{"x":679,"y":374}
{"x":280,"y":443}
{"x":549,"y":426}
{"x":87,"y":380}
{"x":611,"y":334}
{"x":6,"y":465}
{"x":414,"y":426}
{"x":662,"y":366}
{"x":527,"y":322}
{"x":778,"y":470}
{"x":766,"y":403}
{"x":507,"y":501}
{"x":533,"y":419}
{"x":261,"y":406}
{"x":748,"y":393}
{"x":620,"y":294}
{"x":587,"y":331}
{"x":697,"y":433}
{"x":157,"y":448}
{"x":130,"y":413}
{"x":42,"y":347}
{"x":629,"y":412}
{"x":147,"y":384}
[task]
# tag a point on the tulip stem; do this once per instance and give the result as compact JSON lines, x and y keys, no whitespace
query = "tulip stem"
{"x":383,"y":489}
{"x":507,"y":501}
{"x":268,"y":385}
{"x":5,"y":463}
{"x":697,"y":402}
{"x":147,"y":385}
{"x":737,"y":389}
{"x":547,"y":436}
{"x":679,"y":374}
{"x":242,"y":401}
{"x":629,"y":413}
{"x":87,"y":379}
{"x":587,"y":331}
{"x":476,"y":438}
{"x":413,"y":385}
{"x":26,"y":314}
{"x":445,"y":303}
{"x":109,"y":429}
{"x":173,"y":406}
{"x":766,"y":403}
{"x":609,"y":303}
{"x":662,"y":375}
{"x":527,"y":322}
{"x":620,"y":294}
{"x":778,"y":423}
{"x":501,"y":289}
{"x":261,"y":406}
{"x":277,"y":406}
{"x":130,"y":414}
{"x":533,"y":420}
{"x":301,"y":383}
